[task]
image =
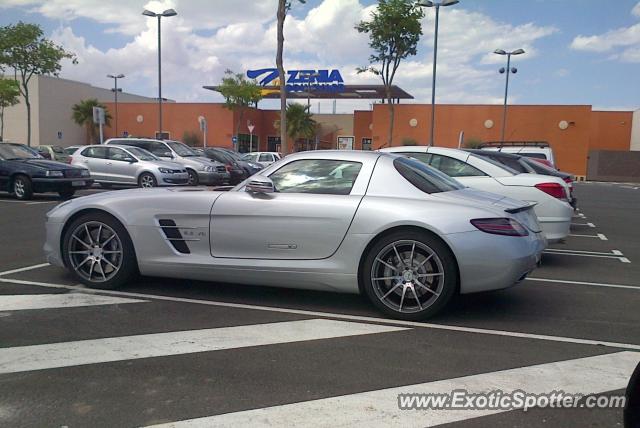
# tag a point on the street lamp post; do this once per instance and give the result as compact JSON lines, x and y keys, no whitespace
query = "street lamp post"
{"x":435,"y":57}
{"x":309,"y":76}
{"x":167,"y":13}
{"x":115,"y":78}
{"x":508,"y":70}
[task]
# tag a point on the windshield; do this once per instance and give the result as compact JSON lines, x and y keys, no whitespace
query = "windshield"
{"x":498,"y":164}
{"x":424,"y":177}
{"x":16,"y":151}
{"x":57,"y":149}
{"x":142,"y":154}
{"x":181,"y":149}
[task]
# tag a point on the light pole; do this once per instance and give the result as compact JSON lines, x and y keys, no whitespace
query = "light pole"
{"x":506,"y":85}
{"x":435,"y":57}
{"x":167,"y":13}
{"x":115,"y":78}
{"x":308,"y":76}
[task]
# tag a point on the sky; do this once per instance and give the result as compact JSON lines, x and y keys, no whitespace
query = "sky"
{"x":577,"y":51}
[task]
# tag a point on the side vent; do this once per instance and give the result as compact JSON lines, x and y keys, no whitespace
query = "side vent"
{"x":173,"y":235}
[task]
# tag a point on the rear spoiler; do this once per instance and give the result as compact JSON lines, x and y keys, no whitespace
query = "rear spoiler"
{"x":520,"y":209}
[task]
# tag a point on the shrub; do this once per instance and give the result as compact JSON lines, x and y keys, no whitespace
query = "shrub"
{"x":191,"y":139}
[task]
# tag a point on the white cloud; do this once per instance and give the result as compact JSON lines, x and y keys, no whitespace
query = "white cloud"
{"x":623,"y":42}
{"x":208,"y":37}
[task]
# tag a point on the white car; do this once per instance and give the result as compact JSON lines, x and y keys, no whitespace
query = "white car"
{"x":550,"y":194}
{"x":263,"y":158}
{"x":539,"y":151}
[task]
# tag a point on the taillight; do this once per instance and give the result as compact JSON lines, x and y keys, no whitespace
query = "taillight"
{"x":553,"y":189}
{"x":227,"y":167}
{"x":500,"y":226}
{"x":69,"y":160}
{"x":568,"y":180}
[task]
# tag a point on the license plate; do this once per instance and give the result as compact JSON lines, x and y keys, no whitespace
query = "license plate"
{"x":78,"y":183}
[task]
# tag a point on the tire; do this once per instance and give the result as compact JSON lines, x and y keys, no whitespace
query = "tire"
{"x":22,"y":188}
{"x":110,"y":265}
{"x":193,"y":178}
{"x":67,"y":194}
{"x":147,"y":179}
{"x":428,"y":278}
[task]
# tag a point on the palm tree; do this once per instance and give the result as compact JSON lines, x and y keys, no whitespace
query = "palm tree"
{"x":299,"y":122}
{"x":83,"y":116}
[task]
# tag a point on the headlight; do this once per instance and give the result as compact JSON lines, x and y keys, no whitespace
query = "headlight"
{"x":209,"y":168}
{"x":54,"y":174}
{"x":255,"y":165}
{"x":85,"y":173}
{"x":166,"y":171}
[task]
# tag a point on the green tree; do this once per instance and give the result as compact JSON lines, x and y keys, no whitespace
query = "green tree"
{"x":9,"y":93}
{"x":82,"y":114}
{"x":239,"y":93}
{"x":24,"y":49}
{"x":394,"y":30}
{"x":283,"y":8}
{"x":299,"y":122}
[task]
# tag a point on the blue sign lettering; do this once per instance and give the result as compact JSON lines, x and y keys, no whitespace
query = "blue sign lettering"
{"x":301,"y":80}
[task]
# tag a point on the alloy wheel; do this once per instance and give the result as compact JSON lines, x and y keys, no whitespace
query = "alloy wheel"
{"x":95,"y":251}
{"x":147,"y":181}
{"x":18,"y":188}
{"x":407,"y":276}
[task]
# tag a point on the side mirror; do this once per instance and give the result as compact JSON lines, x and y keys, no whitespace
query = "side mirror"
{"x":131,"y":160}
{"x":260,"y":184}
{"x":166,"y":155}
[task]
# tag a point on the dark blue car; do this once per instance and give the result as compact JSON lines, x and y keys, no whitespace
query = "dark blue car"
{"x":23,"y":172}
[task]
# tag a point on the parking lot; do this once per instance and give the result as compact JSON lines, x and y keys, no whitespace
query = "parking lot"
{"x":208,"y":354}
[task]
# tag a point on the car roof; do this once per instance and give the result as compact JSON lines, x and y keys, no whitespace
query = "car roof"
{"x":492,"y":153}
{"x":354,"y":155}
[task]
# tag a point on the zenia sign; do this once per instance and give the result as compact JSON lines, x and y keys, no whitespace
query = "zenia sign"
{"x":301,"y":80}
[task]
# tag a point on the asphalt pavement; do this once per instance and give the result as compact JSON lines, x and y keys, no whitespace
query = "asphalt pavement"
{"x":190,"y":353}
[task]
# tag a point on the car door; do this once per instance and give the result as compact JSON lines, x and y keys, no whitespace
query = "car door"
{"x":120,"y":167}
{"x":306,"y":217}
{"x":95,"y":159}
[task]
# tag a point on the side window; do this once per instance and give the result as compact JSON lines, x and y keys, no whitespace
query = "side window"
{"x":320,"y":176}
{"x":158,"y":149}
{"x":422,"y":157}
{"x":265,"y":157}
{"x":117,"y":154}
{"x":453,"y":167}
{"x":95,"y":152}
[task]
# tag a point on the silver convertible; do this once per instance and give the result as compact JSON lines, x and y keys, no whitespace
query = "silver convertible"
{"x":389,"y":227}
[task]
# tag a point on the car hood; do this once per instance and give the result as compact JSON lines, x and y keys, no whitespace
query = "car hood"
{"x":167,"y":164}
{"x":44,"y":164}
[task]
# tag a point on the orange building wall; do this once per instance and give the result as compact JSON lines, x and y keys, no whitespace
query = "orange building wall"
{"x":611,"y":130}
{"x":362,"y":126}
{"x":538,"y":123}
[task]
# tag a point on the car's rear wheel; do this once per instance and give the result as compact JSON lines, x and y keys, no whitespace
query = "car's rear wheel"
{"x":98,"y":250}
{"x":22,"y":187}
{"x":193,"y":178}
{"x":67,"y":194}
{"x":147,"y":179}
{"x":409,"y":275}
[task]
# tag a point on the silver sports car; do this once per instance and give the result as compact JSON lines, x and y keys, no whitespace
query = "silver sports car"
{"x":392,"y":228}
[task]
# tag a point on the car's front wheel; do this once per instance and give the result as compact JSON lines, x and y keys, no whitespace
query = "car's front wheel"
{"x":409,"y":275}
{"x":98,"y":251}
{"x":22,"y":187}
{"x":147,"y":179}
{"x":193,"y":178}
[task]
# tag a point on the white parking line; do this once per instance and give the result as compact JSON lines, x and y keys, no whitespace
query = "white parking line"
{"x":445,"y":327}
{"x":94,"y":351}
{"x":23,"y":302}
{"x":380,"y":408}
{"x":598,"y":236}
{"x":594,"y":284}
{"x":583,"y":224}
{"x":614,"y":254}
{"x":38,"y":266}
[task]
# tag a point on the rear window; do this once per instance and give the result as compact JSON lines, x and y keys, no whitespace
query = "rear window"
{"x":534,"y":155}
{"x":424,"y":177}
